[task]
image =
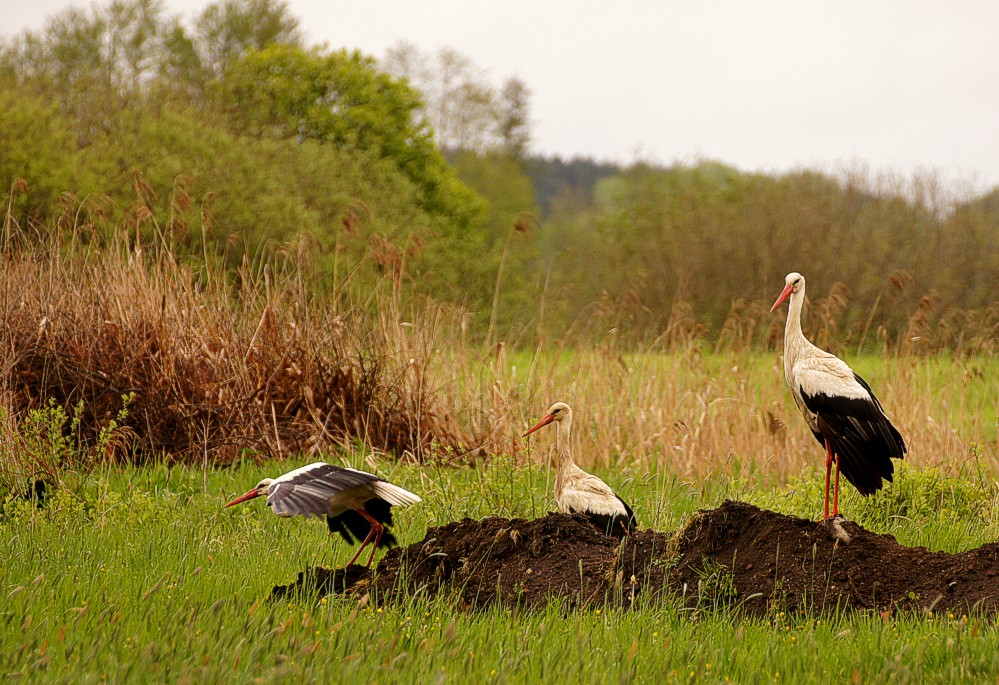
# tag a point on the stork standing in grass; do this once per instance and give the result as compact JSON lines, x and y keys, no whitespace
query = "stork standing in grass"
{"x":356,"y":504}
{"x":578,"y":492}
{"x":838,"y":405}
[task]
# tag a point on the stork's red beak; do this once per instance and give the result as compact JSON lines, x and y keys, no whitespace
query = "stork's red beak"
{"x":242,"y":498}
{"x":541,"y":424}
{"x":784,"y":294}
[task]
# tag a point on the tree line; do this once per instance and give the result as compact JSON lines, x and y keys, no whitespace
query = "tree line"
{"x":228,"y":138}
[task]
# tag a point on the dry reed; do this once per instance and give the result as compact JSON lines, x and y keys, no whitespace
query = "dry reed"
{"x":213,"y":365}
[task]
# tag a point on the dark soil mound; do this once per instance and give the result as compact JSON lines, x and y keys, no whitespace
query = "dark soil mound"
{"x":736,"y":555}
{"x":513,"y":561}
{"x":765,"y":560}
{"x":353,"y":579}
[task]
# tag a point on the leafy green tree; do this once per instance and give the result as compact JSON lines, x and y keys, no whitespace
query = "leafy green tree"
{"x":342,"y":100}
{"x":496,"y":280}
{"x":39,"y":146}
{"x":465,"y":111}
{"x":181,"y":72}
{"x":514,"y":125}
{"x":228,"y":30}
{"x":565,"y":183}
{"x":92,"y":64}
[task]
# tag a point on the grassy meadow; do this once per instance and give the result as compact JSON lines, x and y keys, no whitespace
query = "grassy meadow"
{"x":142,"y":576}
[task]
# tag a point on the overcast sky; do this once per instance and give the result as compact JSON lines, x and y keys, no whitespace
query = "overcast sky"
{"x":762,"y":85}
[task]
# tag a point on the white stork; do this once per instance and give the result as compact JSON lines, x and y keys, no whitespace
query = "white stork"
{"x":838,"y":405}
{"x":356,"y":504}
{"x":576,"y":491}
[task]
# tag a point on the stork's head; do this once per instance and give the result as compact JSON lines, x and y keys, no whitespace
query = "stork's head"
{"x":793,"y":283}
{"x":559,"y":411}
{"x":259,"y":489}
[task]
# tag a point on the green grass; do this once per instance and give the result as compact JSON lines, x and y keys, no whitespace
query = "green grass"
{"x":145,"y":577}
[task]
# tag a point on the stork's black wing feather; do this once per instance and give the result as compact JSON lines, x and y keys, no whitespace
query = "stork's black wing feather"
{"x":631,"y":522}
{"x":614,"y":525}
{"x":860,"y":434}
{"x":350,"y":524}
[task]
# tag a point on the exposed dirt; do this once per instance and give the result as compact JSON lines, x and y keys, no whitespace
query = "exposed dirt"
{"x":511,"y":560}
{"x":736,"y":555}
{"x":777,"y":561}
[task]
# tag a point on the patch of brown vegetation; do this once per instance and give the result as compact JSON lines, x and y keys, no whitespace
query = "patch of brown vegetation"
{"x":734,"y":556}
{"x":211,"y":371}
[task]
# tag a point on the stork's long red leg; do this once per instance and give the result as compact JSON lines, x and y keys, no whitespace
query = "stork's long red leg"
{"x":829,"y":460}
{"x":359,"y":549}
{"x":836,"y":490}
{"x":375,"y":531}
{"x":379,"y":528}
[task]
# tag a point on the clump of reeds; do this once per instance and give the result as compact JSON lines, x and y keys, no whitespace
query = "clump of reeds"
{"x":209,"y":363}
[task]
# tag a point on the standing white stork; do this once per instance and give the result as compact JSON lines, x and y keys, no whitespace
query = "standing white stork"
{"x":576,"y":491}
{"x":838,"y":405}
{"x":356,"y":504}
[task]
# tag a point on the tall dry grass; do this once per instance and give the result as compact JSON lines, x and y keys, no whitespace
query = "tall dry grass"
{"x":697,"y":414}
{"x":214,"y":363}
{"x":217,"y":362}
{"x":694,"y":409}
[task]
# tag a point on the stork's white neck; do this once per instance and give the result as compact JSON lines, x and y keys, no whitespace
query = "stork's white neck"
{"x":795,"y":342}
{"x":564,"y":465}
{"x":563,"y":452}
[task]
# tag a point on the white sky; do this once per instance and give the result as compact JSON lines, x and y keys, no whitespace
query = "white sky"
{"x":901,"y":86}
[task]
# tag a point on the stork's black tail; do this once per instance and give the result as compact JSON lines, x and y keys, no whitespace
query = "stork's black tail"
{"x":351,"y":524}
